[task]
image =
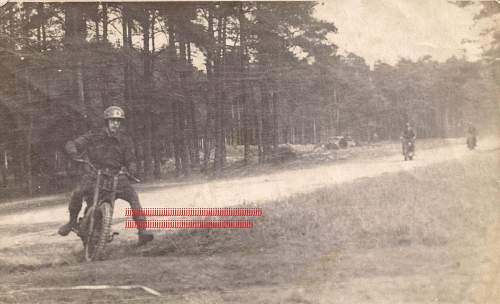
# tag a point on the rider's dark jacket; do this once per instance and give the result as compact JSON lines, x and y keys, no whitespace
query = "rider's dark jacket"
{"x":409,"y":134}
{"x":105,"y":150}
{"x":471,"y":131}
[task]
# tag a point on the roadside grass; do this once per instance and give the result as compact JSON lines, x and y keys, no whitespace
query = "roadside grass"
{"x":431,"y":207}
{"x":428,"y":206}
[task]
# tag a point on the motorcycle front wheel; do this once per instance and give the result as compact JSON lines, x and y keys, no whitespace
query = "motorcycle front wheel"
{"x":99,"y":230}
{"x":471,"y":143}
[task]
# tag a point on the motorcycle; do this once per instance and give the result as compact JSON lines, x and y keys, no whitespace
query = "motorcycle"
{"x":471,"y":142}
{"x":94,"y":228}
{"x":408,"y":149}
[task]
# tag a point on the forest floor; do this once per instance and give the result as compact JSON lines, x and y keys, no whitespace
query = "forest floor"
{"x":370,"y":228}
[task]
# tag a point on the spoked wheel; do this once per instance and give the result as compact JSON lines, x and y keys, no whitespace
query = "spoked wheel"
{"x":98,"y":233}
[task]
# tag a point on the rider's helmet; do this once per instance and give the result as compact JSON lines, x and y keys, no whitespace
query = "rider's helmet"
{"x":114,"y":112}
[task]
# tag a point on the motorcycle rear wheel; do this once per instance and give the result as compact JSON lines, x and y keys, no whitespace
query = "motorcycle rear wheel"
{"x":471,"y":143}
{"x":97,"y":239}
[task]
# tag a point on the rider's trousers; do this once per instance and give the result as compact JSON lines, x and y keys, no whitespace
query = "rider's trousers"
{"x":86,"y":189}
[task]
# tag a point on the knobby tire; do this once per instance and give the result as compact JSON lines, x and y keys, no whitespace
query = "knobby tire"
{"x":98,"y":237}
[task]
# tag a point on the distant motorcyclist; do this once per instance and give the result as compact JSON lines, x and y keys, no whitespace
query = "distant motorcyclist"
{"x":408,"y":136}
{"x":471,"y":136}
{"x":408,"y":133}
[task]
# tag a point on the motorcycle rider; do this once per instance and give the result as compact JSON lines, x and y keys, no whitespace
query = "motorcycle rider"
{"x":108,"y":148}
{"x":472,"y":134}
{"x":408,"y":136}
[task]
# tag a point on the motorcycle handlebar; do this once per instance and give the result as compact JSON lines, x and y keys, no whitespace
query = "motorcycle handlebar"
{"x":84,"y":161}
{"x":121,"y":172}
{"x":135,"y":179}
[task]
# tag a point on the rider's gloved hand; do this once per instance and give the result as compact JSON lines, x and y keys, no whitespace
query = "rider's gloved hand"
{"x":75,"y":157}
{"x":132,"y":169}
{"x":71,"y":150}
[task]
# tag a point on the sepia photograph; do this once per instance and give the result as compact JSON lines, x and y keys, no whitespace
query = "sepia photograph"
{"x":209,"y":152}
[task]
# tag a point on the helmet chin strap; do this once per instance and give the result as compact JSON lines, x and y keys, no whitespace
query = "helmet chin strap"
{"x":110,"y":130}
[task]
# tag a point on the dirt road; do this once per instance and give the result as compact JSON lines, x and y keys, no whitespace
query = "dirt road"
{"x":228,"y":192}
{"x":29,"y":240}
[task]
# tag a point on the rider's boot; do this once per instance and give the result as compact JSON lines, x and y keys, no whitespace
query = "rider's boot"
{"x":65,"y":229}
{"x":144,"y":237}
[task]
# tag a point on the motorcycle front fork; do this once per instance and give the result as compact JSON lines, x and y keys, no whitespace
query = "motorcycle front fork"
{"x":82,"y":227}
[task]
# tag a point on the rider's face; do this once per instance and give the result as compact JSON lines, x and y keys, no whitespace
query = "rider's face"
{"x":114,"y":125}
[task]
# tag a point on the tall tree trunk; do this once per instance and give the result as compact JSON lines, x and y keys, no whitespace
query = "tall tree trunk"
{"x":75,"y":25}
{"x":153,"y":22}
{"x":185,"y":126}
{"x":12,"y":31}
{"x":183,"y":143}
{"x":126,"y":65}
{"x":223,"y":91}
{"x":130,"y":28}
{"x":189,"y":106}
{"x":219,"y":129}
{"x":188,"y":49}
{"x":80,"y":83}
{"x":128,"y":87}
{"x":39,"y":27}
{"x":176,"y":139}
{"x":148,"y":87}
{"x":220,"y":98}
{"x":275,"y":120}
{"x":105,"y":21}
{"x":260,"y":141}
{"x":210,"y":101}
{"x":244,"y":99}
{"x":157,"y":147}
{"x":315,"y":133}
{"x":158,"y":142}
{"x":27,"y":168}
{"x":266,"y":121}
{"x":303,"y":131}
{"x":4,"y":166}
{"x":195,"y":154}
{"x":97,"y":29}
{"x":184,"y":131}
{"x":41,"y":10}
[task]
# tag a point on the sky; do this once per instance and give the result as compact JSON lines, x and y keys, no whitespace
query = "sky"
{"x":388,"y":30}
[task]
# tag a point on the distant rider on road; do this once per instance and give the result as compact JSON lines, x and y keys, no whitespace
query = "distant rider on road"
{"x":408,"y":135}
{"x":472,"y":135}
